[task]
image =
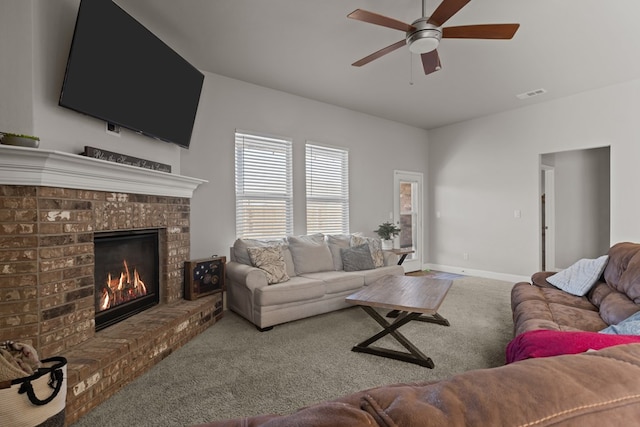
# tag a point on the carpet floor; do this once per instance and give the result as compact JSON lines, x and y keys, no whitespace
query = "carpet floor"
{"x":233,"y":370}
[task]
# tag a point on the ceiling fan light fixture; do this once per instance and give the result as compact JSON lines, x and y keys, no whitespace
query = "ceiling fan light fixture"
{"x":424,"y":45}
{"x":424,"y":37}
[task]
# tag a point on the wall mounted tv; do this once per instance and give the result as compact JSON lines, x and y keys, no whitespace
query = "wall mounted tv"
{"x":119,"y":72}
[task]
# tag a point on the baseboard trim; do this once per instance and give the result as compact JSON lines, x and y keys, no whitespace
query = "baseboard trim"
{"x":479,"y":273}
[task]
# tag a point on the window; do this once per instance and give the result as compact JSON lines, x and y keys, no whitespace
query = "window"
{"x":264,"y":195}
{"x":327,"y":172}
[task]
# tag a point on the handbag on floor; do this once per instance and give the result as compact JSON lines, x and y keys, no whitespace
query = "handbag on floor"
{"x":36,"y":399}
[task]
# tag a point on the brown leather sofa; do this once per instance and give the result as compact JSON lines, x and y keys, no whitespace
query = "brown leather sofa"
{"x":540,"y":305}
{"x":599,"y":388}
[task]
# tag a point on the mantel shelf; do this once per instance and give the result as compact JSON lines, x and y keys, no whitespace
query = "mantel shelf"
{"x":48,"y":168}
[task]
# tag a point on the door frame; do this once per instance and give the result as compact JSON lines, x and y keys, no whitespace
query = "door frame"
{"x":547,"y":223}
{"x":413,"y":262}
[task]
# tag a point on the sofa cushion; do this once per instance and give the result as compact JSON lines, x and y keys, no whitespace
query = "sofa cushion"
{"x":629,"y":282}
{"x":269,"y":259}
{"x":337,"y":242}
{"x":623,"y":260}
{"x":297,"y":289}
{"x":616,"y":307}
{"x":375,"y":246}
{"x":580,"y":277}
{"x":357,"y":258}
{"x":550,"y":308}
{"x":629,"y":326}
{"x":310,"y":253}
{"x":338,"y":281}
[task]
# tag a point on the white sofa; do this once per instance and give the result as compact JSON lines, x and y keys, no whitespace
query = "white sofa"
{"x":310,"y":278}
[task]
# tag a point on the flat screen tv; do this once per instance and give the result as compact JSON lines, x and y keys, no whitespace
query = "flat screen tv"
{"x":119,"y":72}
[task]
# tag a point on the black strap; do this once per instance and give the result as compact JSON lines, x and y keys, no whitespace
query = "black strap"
{"x":56,"y":380}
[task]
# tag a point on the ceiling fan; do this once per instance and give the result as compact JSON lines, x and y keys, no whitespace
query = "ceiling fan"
{"x":424,"y":34}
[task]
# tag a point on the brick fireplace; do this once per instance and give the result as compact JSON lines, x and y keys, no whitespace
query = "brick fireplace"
{"x":52,"y":205}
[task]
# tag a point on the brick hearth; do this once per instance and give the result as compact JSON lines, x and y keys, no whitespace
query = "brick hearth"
{"x":47,"y":272}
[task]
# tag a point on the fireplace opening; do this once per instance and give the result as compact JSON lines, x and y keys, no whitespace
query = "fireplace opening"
{"x":126,"y":274}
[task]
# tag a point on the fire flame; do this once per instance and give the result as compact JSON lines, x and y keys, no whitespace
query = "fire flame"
{"x":120,"y":290}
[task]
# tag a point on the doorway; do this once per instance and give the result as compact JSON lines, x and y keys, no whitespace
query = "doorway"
{"x":407,"y":215}
{"x":575,"y":189}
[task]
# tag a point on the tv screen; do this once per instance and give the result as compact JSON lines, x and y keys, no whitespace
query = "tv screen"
{"x":118,"y":71}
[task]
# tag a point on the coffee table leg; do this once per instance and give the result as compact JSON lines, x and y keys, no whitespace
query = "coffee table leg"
{"x":413,"y":356}
{"x":435,"y":318}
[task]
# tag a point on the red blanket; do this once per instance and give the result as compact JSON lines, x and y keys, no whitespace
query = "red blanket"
{"x":545,"y":343}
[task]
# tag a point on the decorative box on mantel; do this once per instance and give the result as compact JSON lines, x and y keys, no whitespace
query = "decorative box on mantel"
{"x":51,"y":205}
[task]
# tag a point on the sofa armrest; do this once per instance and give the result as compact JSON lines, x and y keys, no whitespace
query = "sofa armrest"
{"x":252,"y":277}
{"x":540,"y":279}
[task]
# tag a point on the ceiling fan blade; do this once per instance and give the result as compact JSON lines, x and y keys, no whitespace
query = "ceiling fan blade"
{"x":431,"y":62}
{"x":374,"y":18}
{"x":379,"y":53}
{"x":446,"y":10}
{"x":486,"y":31}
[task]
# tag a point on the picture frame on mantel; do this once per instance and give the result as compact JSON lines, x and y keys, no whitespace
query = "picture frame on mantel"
{"x":204,"y":277}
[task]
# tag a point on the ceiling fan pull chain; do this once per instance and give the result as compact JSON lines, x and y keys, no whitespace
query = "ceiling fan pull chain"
{"x":410,"y":70}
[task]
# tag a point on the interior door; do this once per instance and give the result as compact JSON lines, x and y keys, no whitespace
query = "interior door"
{"x":408,"y":216}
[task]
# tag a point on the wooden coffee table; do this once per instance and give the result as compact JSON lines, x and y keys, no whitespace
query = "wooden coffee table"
{"x":415,"y":298}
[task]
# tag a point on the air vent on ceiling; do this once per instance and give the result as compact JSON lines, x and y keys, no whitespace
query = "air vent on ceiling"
{"x":531,"y":93}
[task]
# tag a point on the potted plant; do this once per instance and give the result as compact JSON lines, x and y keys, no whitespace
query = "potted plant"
{"x":387,"y":231}
{"x":19,"y":139}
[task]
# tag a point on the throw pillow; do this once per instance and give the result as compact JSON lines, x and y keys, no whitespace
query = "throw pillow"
{"x":357,"y":258}
{"x":271,"y":261}
{"x":580,"y":277}
{"x":337,"y":242}
{"x":310,"y":253}
{"x":375,"y":246}
{"x":629,"y":326}
{"x":240,"y":248}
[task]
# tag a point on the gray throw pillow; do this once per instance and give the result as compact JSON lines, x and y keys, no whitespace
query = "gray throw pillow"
{"x":375,"y":246}
{"x":337,"y":242}
{"x":357,"y":258}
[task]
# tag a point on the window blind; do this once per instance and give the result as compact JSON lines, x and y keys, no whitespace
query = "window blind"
{"x":264,"y":194}
{"x":327,"y":176}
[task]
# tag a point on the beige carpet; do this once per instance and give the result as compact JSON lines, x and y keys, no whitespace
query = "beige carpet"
{"x":233,"y":370}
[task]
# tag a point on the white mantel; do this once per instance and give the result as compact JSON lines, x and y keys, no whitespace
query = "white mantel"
{"x":33,"y":166}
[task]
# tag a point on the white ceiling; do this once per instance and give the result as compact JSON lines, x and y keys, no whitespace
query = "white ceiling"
{"x":305,"y":47}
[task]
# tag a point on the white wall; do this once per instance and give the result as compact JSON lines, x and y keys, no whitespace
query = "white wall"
{"x":481,"y":170}
{"x":376,"y":147}
{"x":59,"y":128}
{"x":38,"y":34}
{"x":16,"y":66}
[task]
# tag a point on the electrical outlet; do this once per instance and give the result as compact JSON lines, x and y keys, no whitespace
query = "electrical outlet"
{"x":113,"y":129}
{"x":465,"y":256}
